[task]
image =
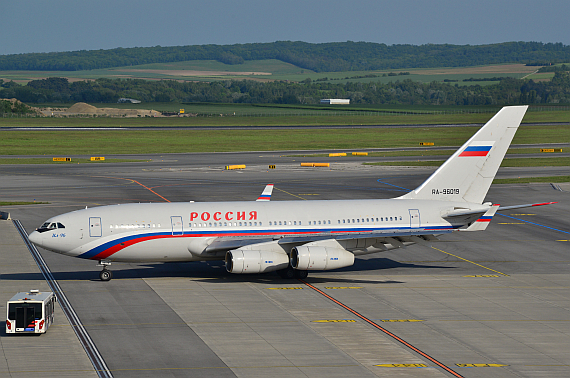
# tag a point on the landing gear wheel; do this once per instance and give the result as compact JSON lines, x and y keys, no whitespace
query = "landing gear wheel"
{"x":287,"y":273}
{"x":301,"y":274}
{"x":106,"y":275}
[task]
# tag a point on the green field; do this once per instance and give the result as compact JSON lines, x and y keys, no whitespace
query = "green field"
{"x":256,"y":115}
{"x":100,"y":142}
{"x":271,"y":69}
{"x":526,"y":180}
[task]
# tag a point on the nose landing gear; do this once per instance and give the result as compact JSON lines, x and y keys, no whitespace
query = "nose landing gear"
{"x":105,"y":274}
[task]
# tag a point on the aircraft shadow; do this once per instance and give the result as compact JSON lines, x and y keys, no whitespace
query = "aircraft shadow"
{"x":214,"y":271}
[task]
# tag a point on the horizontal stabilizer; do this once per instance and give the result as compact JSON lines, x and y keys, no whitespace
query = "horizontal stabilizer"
{"x":522,"y":206}
{"x":482,"y":223}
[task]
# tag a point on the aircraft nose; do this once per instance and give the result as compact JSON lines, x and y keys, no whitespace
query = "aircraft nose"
{"x":36,"y":238}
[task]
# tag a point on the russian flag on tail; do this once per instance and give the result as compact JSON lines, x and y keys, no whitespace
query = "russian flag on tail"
{"x":476,"y":151}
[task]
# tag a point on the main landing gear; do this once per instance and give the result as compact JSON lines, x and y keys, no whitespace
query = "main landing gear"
{"x":290,"y":273}
{"x":105,"y":274}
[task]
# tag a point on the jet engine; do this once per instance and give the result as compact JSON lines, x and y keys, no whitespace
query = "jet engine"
{"x":320,"y":258}
{"x":247,"y":261}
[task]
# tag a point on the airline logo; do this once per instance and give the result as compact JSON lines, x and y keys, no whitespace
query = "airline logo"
{"x":480,"y":149}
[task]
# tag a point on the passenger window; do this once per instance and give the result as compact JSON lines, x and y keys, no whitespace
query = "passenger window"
{"x":111,"y":226}
{"x":270,"y":223}
{"x":343,"y":221}
{"x":329,"y":222}
{"x":390,"y":219}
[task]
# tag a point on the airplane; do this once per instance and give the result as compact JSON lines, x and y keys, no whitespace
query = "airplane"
{"x":293,"y":237}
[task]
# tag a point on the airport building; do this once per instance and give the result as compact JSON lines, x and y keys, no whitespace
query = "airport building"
{"x":335,"y":101}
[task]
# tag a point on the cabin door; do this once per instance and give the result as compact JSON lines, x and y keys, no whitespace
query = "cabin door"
{"x":176,"y":226}
{"x":414,"y":218}
{"x":95,"y":227}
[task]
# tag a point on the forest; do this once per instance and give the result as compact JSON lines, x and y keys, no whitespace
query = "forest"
{"x":319,"y":57}
{"x":406,"y":92}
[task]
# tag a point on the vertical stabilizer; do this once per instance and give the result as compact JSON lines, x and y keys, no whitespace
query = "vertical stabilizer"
{"x":469,"y":172}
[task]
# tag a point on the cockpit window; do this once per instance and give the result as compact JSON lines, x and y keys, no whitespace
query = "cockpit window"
{"x":47,"y":226}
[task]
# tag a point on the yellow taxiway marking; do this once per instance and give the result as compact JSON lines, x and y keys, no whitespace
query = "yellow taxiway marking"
{"x":342,"y":287}
{"x":403,"y":365}
{"x":335,"y":321}
{"x":235,"y":367}
{"x":523,"y":214}
{"x":284,"y":288}
{"x":480,"y":365}
{"x":308,"y":194}
{"x":291,"y":194}
{"x":483,"y":275}
{"x":461,"y":258}
{"x":513,"y":223}
{"x":400,"y":320}
{"x":562,"y":240}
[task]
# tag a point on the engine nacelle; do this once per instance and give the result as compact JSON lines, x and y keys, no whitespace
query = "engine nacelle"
{"x":246,"y":261}
{"x":320,"y":258}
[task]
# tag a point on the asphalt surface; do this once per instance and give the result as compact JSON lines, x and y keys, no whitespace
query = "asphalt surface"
{"x":492,"y":303}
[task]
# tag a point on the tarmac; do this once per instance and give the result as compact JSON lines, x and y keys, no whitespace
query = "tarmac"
{"x":58,"y":352}
{"x":493,"y":303}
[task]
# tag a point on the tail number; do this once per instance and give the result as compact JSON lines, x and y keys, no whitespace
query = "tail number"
{"x":445,"y":191}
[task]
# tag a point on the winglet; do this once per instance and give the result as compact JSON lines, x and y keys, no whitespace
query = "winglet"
{"x":483,"y":221}
{"x":266,"y":195}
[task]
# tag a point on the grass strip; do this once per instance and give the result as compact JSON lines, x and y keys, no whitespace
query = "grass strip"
{"x":222,"y":115}
{"x":8,"y":203}
{"x":48,"y":160}
{"x":526,"y":180}
{"x":515,"y":162}
{"x":422,"y":153}
{"x":101,"y":142}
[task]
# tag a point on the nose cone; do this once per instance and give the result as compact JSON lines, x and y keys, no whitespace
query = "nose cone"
{"x":36,"y":238}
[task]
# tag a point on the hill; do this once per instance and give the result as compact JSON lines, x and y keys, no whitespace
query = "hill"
{"x":320,"y":57}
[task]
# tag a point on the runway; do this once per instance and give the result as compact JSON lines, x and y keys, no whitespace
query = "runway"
{"x":492,"y":303}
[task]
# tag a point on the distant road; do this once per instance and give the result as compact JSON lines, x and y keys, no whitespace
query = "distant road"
{"x":300,"y":127}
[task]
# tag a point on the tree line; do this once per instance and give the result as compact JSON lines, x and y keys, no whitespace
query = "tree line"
{"x":406,"y":91}
{"x":319,"y":57}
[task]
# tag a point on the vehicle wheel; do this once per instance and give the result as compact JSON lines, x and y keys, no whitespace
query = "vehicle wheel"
{"x":287,"y":273}
{"x":106,"y":275}
{"x":301,"y":274}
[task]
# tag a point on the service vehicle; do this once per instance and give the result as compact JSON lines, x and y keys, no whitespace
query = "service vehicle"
{"x":30,"y":312}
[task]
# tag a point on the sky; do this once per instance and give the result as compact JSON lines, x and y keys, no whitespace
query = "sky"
{"x":70,"y":25}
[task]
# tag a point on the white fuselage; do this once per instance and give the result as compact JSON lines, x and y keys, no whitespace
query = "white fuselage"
{"x":181,"y":231}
